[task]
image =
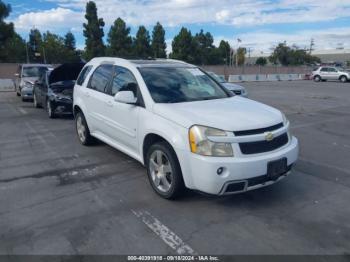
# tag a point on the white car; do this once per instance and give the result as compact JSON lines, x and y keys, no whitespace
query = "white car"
{"x":236,"y":89}
{"x":186,"y":129}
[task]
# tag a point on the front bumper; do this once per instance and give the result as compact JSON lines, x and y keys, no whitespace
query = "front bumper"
{"x":62,"y":105}
{"x":27,"y":93}
{"x":200,"y":172}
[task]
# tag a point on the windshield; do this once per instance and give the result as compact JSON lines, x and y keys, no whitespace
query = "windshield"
{"x":175,"y":85}
{"x":33,"y":71}
{"x":220,"y":79}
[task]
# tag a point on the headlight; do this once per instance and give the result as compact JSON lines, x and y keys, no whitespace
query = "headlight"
{"x":28,"y":85}
{"x":285,"y":120}
{"x":201,"y":145}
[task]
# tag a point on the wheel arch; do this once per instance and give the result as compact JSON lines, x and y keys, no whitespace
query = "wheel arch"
{"x":149,"y":140}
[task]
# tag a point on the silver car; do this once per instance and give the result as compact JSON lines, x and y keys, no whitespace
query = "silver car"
{"x":236,"y":89}
{"x":26,"y":76}
{"x":325,"y":73}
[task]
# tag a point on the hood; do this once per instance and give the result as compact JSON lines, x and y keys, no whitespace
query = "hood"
{"x":229,"y":114}
{"x":29,"y":79}
{"x":232,"y":87}
{"x":64,"y":72}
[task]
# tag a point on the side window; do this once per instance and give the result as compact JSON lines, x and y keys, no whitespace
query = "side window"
{"x":100,"y":78}
{"x":123,"y":80}
{"x":324,"y":69}
{"x":332,"y":70}
{"x":83,"y":74}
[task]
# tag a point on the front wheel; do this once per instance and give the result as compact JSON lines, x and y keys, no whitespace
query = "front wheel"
{"x":50,"y":109}
{"x":35,"y":101}
{"x":343,"y":79}
{"x":164,"y":172}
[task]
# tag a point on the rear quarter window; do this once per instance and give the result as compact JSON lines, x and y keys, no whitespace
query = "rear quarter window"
{"x":83,"y":74}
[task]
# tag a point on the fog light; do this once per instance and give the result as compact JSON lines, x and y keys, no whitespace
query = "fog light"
{"x":220,"y":170}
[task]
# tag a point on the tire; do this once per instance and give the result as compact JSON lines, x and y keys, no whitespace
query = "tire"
{"x":35,"y":101}
{"x":50,"y":109}
{"x":317,"y":79}
{"x":82,"y":130}
{"x":343,"y":79}
{"x":164,"y":172}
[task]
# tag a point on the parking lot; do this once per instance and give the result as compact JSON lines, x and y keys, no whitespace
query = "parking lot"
{"x":59,"y":197}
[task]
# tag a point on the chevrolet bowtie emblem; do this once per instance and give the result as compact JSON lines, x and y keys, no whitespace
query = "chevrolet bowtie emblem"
{"x":268,"y":136}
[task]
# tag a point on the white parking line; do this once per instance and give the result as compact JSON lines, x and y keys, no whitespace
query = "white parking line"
{"x":24,"y":112}
{"x":168,"y":236}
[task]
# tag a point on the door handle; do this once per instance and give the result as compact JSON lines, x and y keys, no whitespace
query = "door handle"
{"x":109,"y":103}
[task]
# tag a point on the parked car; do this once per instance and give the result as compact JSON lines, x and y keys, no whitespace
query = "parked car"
{"x":187,"y":130}
{"x":325,"y":73}
{"x":54,"y":89}
{"x":236,"y":89}
{"x":26,"y":76}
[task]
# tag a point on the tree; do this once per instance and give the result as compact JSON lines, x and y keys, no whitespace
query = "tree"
{"x":240,"y":55}
{"x":286,"y":55}
{"x":69,"y":41}
{"x":6,"y":29}
{"x":158,"y":41}
{"x":224,"y":51}
{"x":205,"y":48}
{"x":262,"y":61}
{"x":119,"y":40}
{"x":15,"y":50}
{"x":142,"y":47}
{"x":93,"y":32}
{"x":183,"y":45}
{"x":35,"y":46}
{"x":53,"y":48}
{"x":70,"y":52}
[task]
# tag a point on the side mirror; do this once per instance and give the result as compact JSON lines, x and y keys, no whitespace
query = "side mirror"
{"x":125,"y":97}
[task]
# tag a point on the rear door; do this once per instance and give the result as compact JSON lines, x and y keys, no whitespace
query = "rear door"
{"x":324,"y":73}
{"x":95,"y":97}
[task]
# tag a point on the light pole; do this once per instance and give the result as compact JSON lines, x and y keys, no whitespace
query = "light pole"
{"x":238,"y":41}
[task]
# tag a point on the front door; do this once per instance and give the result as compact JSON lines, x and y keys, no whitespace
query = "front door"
{"x":333,"y":73}
{"x":122,"y":119}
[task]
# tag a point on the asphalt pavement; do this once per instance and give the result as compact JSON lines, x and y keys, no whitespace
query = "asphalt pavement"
{"x":59,"y":197}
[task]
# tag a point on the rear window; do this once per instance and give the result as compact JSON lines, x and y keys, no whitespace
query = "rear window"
{"x":83,"y":74}
{"x":100,"y":78}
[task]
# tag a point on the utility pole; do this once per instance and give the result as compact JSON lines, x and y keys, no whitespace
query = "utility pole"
{"x":238,"y":41}
{"x":312,"y":44}
{"x":44,"y":55}
{"x":27,"y":53}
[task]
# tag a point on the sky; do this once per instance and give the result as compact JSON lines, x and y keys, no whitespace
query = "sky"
{"x":259,"y":24}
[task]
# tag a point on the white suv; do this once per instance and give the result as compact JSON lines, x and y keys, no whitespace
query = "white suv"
{"x":324,"y":73}
{"x":183,"y":126}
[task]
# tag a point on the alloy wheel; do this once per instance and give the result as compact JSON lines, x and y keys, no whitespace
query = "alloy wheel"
{"x":81,"y":129}
{"x":161,"y":171}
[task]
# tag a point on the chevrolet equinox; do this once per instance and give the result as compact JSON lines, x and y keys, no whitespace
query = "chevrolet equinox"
{"x":183,"y":126}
